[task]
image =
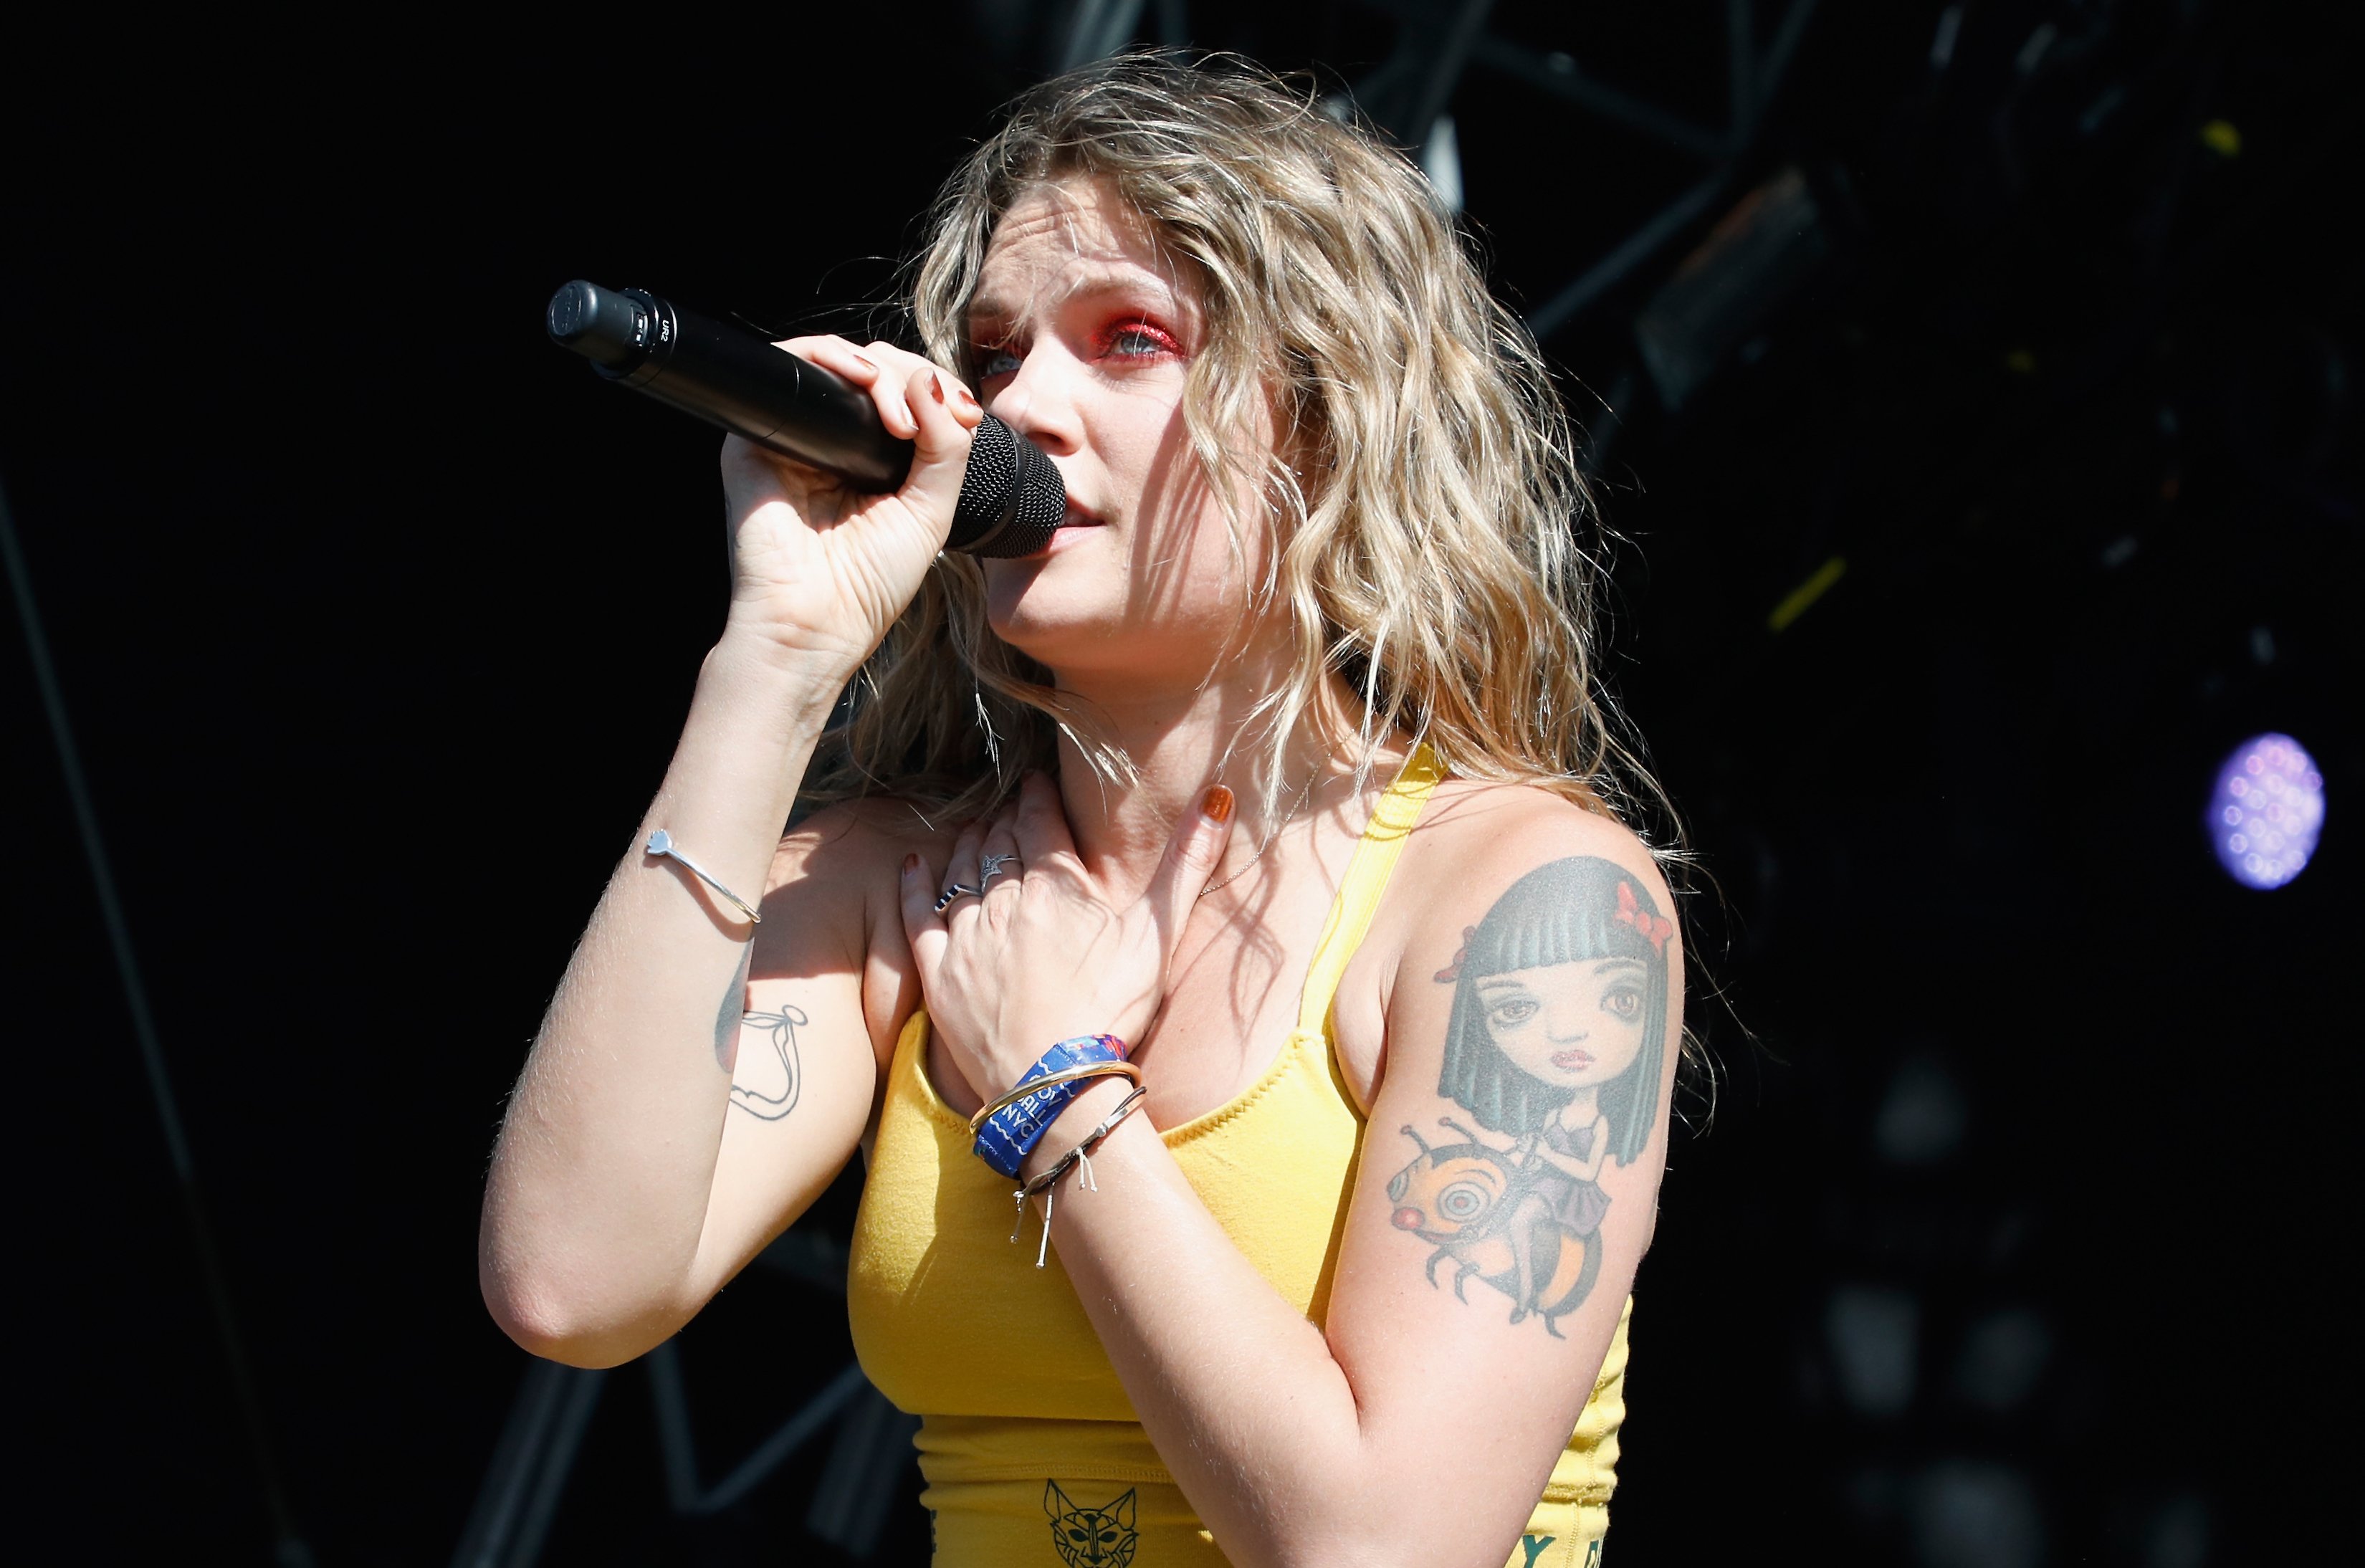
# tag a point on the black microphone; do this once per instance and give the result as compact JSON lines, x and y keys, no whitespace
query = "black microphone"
{"x":1011,"y":501}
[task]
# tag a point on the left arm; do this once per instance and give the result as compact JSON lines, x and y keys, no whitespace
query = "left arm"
{"x":1418,"y":1424}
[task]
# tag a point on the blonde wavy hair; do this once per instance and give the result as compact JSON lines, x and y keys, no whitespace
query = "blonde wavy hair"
{"x":1424,"y":499}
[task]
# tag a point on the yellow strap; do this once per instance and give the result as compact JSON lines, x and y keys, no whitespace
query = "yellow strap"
{"x":1367,"y":876}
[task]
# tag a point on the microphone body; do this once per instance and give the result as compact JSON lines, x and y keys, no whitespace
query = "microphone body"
{"x":1012,"y":499}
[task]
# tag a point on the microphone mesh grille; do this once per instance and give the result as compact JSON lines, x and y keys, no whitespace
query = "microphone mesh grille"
{"x":1012,"y":500}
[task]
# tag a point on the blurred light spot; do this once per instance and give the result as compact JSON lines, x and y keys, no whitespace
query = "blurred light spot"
{"x":1922,"y":1118}
{"x":2003,"y":1356}
{"x":2179,"y":1536}
{"x":2020,"y":361}
{"x":1968,"y":1514}
{"x":1797,"y":601}
{"x":2032,"y":53}
{"x":2101,"y":109}
{"x":2219,"y":137}
{"x":1942,"y":46}
{"x":1873,"y":1335}
{"x":1441,"y":160}
{"x":2262,"y":645}
{"x":2267,"y":811}
{"x":2120,"y":551}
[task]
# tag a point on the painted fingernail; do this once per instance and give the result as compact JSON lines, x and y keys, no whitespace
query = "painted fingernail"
{"x":1217,"y":803}
{"x":960,"y":396}
{"x":864,"y":360}
{"x":936,"y":387}
{"x":911,"y":864}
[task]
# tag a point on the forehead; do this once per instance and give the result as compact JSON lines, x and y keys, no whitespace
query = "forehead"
{"x":1579,"y":971}
{"x":1061,"y":240}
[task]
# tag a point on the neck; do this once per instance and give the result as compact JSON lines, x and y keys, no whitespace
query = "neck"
{"x":1183,"y":739}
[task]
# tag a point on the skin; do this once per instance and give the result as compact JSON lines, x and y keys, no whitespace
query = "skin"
{"x":1573,"y":1026}
{"x":626,"y":1190}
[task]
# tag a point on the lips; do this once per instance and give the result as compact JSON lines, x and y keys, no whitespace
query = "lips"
{"x":1571,"y":1060}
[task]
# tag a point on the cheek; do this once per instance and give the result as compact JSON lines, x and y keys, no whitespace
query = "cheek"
{"x":1625,"y":1039}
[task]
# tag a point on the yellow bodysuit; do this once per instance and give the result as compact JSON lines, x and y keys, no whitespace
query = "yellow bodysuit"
{"x":1032,"y":1454}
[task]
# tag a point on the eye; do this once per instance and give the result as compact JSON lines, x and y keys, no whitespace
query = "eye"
{"x":1461,"y":1201}
{"x":1624,"y":1003}
{"x":1139,"y":339}
{"x":1515,"y":1011}
{"x":992,"y":362}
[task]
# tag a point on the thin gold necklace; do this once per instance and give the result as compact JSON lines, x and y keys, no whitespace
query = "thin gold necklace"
{"x":1295,"y":806}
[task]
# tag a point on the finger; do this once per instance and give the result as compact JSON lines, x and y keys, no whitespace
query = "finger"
{"x":1191,"y":857}
{"x":961,"y":871}
{"x":923,"y":927}
{"x":940,"y":438}
{"x":834,"y":353}
{"x":1042,"y":825}
{"x":1000,"y":851}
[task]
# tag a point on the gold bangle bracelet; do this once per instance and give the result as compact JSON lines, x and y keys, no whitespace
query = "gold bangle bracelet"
{"x":1065,"y":1075}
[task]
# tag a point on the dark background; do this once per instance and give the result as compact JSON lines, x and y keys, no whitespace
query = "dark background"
{"x":2016,"y":1235}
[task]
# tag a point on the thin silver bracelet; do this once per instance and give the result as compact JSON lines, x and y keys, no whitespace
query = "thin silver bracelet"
{"x":661,"y":843}
{"x":1047,"y":1183}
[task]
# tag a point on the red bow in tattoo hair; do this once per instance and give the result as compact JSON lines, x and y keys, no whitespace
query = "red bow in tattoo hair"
{"x":1453,"y":971}
{"x":1656,"y":929}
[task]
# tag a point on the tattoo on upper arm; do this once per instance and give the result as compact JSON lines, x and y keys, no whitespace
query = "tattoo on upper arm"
{"x":734,"y":1008}
{"x":770,"y":1101}
{"x":1555,"y":1043}
{"x":769,"y":1091}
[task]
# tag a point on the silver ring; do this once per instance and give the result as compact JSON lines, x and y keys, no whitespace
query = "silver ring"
{"x":957,"y":890}
{"x":991,"y":866}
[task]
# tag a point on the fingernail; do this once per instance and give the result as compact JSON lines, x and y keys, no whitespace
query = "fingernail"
{"x":863,"y":360}
{"x":960,"y":394}
{"x":1217,"y":804}
{"x":936,"y":387}
{"x":911,"y":864}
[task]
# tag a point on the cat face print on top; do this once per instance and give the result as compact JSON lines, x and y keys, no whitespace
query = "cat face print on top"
{"x":1089,"y":1536}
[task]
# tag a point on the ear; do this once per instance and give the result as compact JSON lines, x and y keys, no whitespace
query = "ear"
{"x":1123,"y":1508}
{"x":1055,"y":1502}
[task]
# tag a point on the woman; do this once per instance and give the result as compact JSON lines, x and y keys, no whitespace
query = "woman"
{"x":1296,"y":697}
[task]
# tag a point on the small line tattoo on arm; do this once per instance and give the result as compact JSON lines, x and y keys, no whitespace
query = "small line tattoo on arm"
{"x":734,"y":1008}
{"x":769,"y":1102}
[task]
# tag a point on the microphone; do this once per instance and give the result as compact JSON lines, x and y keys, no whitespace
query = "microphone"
{"x":1012,"y":500}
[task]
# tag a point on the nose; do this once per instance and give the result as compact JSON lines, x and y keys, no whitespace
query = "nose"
{"x":1038,"y":400}
{"x":1566,"y":1025}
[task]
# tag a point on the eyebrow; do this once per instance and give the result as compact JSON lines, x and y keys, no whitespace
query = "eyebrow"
{"x":1606,"y":965}
{"x":986,"y":311}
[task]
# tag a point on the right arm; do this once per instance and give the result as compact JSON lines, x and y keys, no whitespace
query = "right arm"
{"x":625,"y":1189}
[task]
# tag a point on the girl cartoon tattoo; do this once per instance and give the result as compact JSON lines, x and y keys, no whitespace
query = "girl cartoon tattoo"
{"x":1555,"y":1041}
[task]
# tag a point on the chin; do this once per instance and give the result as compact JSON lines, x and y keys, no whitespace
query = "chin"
{"x":1047,"y":624}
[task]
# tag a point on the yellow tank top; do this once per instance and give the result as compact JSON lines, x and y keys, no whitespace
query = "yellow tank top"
{"x":1032,"y":1454}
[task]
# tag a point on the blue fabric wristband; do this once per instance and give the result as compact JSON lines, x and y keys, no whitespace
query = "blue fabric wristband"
{"x":1010,"y":1135}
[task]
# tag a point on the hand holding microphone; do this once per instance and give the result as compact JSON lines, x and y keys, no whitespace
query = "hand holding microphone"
{"x":892,"y":461}
{"x":1011,"y":498}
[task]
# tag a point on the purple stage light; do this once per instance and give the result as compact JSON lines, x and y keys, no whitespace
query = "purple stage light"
{"x":2267,"y":811}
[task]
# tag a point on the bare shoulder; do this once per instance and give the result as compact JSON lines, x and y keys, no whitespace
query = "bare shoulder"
{"x":1476,"y":832}
{"x":1490,"y":855}
{"x":855,"y":836}
{"x":832,"y":881}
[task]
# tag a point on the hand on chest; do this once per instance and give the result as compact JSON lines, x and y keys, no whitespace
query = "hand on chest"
{"x":1234,"y":993}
